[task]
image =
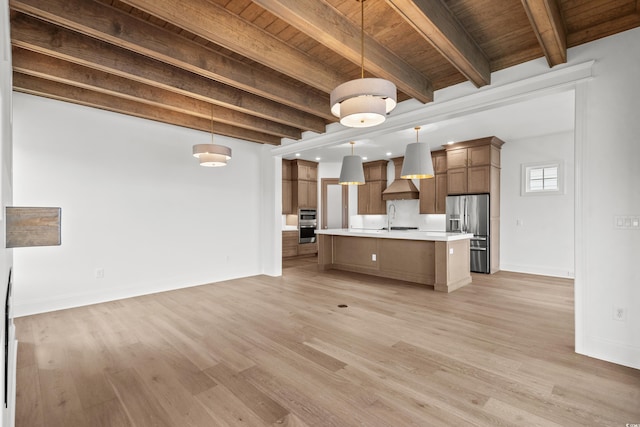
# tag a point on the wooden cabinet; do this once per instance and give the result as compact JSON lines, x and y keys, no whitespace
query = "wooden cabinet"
{"x":370,"y":194}
{"x":307,"y":248}
{"x":433,"y":191}
{"x":474,"y":168}
{"x":304,"y":170}
{"x":287,"y":197}
{"x":286,"y":169}
{"x":302,"y":187}
{"x":289,"y":243}
{"x":370,"y":198}
{"x":305,"y":194}
{"x":299,"y":191}
{"x":287,"y":186}
{"x":469,"y":165}
{"x":433,"y":195}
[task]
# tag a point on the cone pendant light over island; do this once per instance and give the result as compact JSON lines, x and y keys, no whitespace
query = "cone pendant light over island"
{"x":417,"y":162}
{"x":352,"y":172}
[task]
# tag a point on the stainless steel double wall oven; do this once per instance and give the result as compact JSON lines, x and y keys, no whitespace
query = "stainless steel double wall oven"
{"x":307,"y":224}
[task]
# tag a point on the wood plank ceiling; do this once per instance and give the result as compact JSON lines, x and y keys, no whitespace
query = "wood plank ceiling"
{"x":263,"y":69}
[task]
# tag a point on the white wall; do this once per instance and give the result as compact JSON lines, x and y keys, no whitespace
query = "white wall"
{"x":6,"y":255}
{"x":134,"y":203}
{"x":607,"y":156}
{"x":536,"y":232}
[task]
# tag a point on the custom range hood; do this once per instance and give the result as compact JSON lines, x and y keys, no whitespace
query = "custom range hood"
{"x":400,"y":189}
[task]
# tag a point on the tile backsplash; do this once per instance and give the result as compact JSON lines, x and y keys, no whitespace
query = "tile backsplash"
{"x":407,"y":215}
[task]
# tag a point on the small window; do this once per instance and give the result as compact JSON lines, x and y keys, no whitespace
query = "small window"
{"x":542,"y":178}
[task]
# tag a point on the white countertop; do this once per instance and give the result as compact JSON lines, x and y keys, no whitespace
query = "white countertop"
{"x":437,"y":236}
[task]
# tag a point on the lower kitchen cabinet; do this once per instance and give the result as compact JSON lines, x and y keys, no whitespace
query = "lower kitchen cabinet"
{"x":291,"y":247}
{"x":307,"y":248}
{"x":289,"y":243}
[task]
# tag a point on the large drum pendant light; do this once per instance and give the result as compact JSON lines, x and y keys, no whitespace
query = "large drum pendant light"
{"x":417,"y":162}
{"x":352,"y":172}
{"x":363,"y":102}
{"x":212,"y":155}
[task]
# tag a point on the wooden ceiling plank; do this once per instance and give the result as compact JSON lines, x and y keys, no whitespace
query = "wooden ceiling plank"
{"x":121,"y":29}
{"x":222,"y":27}
{"x":325,"y":24}
{"x":436,"y":24}
{"x":52,"y":40}
{"x":604,"y":29}
{"x":55,"y":90}
{"x":39,"y":65}
{"x":548,"y":25}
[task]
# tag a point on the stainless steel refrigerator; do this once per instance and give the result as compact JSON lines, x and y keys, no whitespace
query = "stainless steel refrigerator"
{"x":470,"y":214}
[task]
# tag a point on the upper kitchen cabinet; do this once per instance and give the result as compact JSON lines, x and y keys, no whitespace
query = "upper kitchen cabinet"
{"x":473,"y":165}
{"x":287,"y":184}
{"x":433,"y":191}
{"x":304,"y":170}
{"x":304,"y":178}
{"x":370,"y":200}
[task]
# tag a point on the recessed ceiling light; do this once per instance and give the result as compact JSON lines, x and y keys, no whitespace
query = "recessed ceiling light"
{"x":450,"y":142}
{"x":388,"y":154}
{"x":317,"y":158}
{"x":297,"y":154}
{"x":364,"y":158}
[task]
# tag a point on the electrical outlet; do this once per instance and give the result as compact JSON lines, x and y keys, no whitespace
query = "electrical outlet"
{"x":99,"y":273}
{"x":373,"y":257}
{"x":619,"y":313}
{"x":450,"y":251}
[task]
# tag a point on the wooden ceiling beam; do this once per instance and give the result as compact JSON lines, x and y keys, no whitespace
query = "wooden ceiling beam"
{"x":548,"y":25}
{"x":122,"y":29}
{"x":436,"y":24}
{"x":325,"y":24}
{"x":49,"y":39}
{"x":39,"y":65}
{"x":76,"y":95}
{"x":218,"y":25}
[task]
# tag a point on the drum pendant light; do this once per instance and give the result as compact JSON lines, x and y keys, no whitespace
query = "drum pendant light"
{"x":417,"y":162}
{"x":363,"y":102}
{"x":212,"y":155}
{"x":352,"y":172}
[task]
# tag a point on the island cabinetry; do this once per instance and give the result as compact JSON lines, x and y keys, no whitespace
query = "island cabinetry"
{"x":433,"y":191}
{"x":441,"y":264}
{"x":304,"y":188}
{"x":370,"y":193}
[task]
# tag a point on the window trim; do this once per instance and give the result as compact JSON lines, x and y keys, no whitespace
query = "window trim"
{"x":525,"y":178}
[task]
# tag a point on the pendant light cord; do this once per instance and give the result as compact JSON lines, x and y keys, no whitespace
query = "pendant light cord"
{"x":362,"y":38}
{"x":417,"y":128}
{"x":211,"y":124}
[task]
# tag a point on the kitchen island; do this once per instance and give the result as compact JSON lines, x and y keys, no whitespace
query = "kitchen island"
{"x":438,"y":259}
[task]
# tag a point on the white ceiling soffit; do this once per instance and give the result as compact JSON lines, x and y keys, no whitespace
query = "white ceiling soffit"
{"x":534,"y":106}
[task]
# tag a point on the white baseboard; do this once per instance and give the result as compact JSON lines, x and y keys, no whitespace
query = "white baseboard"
{"x":29,"y":307}
{"x":539,"y":270}
{"x":610,"y":351}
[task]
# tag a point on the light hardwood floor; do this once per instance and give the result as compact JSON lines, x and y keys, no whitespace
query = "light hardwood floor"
{"x":279,"y":351}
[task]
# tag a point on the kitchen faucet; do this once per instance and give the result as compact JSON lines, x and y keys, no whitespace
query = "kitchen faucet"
{"x":391,"y":205}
